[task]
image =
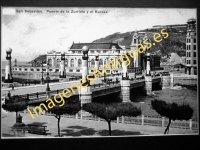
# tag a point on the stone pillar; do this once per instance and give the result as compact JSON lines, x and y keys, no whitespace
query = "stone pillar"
{"x":62,"y":66}
{"x":85,"y":92}
{"x":125,"y":84}
{"x":148,"y":77}
{"x":8,"y":69}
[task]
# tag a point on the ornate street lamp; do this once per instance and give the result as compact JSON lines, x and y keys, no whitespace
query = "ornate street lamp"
{"x":42,"y":79}
{"x":48,"y":78}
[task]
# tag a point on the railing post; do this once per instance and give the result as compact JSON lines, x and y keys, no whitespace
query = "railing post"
{"x":117,"y":119}
{"x":190,"y":124}
{"x":76,"y":115}
{"x":163,"y":121}
{"x":142,"y":119}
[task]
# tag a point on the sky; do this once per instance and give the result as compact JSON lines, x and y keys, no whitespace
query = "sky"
{"x":30,"y":34}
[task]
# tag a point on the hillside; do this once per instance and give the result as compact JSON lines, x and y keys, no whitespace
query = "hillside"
{"x":174,"y":43}
{"x":39,"y":59}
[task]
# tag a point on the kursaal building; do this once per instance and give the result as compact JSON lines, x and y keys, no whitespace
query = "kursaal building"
{"x":106,"y":52}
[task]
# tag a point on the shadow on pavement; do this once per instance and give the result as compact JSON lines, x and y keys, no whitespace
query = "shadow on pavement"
{"x":7,"y":135}
{"x":118,"y":133}
{"x":74,"y":132}
{"x":38,"y":123}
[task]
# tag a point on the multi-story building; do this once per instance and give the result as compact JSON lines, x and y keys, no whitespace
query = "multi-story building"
{"x":191,"y":48}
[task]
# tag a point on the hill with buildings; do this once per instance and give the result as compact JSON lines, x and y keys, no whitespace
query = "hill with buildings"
{"x":175,"y":43}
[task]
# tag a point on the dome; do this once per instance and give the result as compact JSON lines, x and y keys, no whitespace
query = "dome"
{"x":191,"y":20}
{"x":9,"y":50}
{"x":85,"y":49}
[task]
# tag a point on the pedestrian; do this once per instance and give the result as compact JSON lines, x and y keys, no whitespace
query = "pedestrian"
{"x":13,"y":88}
{"x":9,"y":94}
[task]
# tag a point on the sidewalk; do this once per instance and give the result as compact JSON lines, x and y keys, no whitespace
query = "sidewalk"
{"x":83,"y":128}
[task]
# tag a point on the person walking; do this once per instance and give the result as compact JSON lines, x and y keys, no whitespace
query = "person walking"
{"x":13,"y":88}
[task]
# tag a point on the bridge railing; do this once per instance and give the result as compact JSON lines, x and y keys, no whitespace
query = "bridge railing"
{"x":139,"y":120}
{"x":109,"y":83}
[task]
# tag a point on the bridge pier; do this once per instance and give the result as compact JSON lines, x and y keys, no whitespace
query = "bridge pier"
{"x":148,"y":77}
{"x":125,"y":84}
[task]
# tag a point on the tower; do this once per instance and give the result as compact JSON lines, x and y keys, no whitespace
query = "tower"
{"x":134,"y":43}
{"x":85,"y":90}
{"x":8,"y":69}
{"x":148,"y":77}
{"x":191,"y":48}
{"x":62,"y":66}
{"x":125,"y":83}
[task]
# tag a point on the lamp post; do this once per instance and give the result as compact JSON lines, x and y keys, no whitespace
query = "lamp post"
{"x":42,"y":79}
{"x":48,"y":78}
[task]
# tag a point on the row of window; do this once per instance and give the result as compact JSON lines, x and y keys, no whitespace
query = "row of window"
{"x":188,"y":61}
{"x":188,"y":54}
{"x":25,"y":69}
{"x":188,"y":47}
{"x":190,"y":40}
{"x":92,"y":52}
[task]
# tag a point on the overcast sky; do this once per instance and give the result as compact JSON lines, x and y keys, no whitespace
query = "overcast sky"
{"x":33,"y":34}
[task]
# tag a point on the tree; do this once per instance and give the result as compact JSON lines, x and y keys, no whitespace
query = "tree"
{"x":71,"y":108}
{"x":15,"y":104}
{"x":111,"y":111}
{"x":173,"y":111}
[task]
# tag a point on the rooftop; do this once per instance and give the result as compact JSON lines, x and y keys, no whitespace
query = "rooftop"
{"x":94,"y":46}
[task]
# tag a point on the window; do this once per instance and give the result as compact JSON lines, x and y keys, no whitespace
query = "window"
{"x":44,"y":69}
{"x":77,"y":70}
{"x":72,"y":63}
{"x":188,"y":61}
{"x":104,"y":51}
{"x":92,"y":63}
{"x":73,"y":52}
{"x":31,"y":69}
{"x":98,"y":51}
{"x":135,"y":41}
{"x":79,"y":52}
{"x":66,"y":62}
{"x":50,"y":62}
{"x":70,"y":70}
{"x":15,"y":68}
{"x":194,"y":47}
{"x":79,"y":63}
{"x":194,"y":62}
{"x":194,"y":40}
{"x":100,"y":62}
{"x":91,"y":51}
{"x":25,"y":69}
{"x":188,"y":47}
{"x":189,"y":54}
{"x":38,"y":69}
{"x":50,"y":69}
{"x":188,"y":40}
{"x":194,"y":54}
{"x":57,"y":70}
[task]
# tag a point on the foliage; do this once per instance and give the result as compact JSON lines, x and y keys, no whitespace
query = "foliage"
{"x":67,"y":109}
{"x":15,"y":104}
{"x":111,"y":111}
{"x":172,"y":110}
